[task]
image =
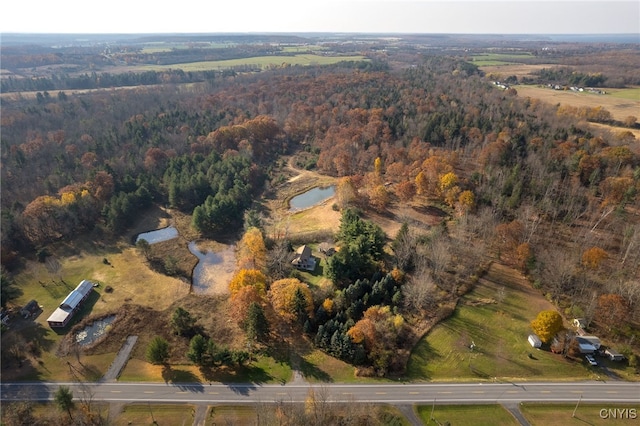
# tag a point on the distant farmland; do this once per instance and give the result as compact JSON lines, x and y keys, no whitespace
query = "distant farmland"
{"x":260,"y":61}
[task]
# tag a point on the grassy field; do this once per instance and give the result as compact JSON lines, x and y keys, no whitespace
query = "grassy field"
{"x":231,"y":415}
{"x":260,"y":61}
{"x":621,"y":103}
{"x":590,"y":414}
{"x":493,"y":59}
{"x":632,"y":93}
{"x":147,"y":414}
{"x":477,"y":415}
{"x":495,"y":316}
{"x":262,"y":370}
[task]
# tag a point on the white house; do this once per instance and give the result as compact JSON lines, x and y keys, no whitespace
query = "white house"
{"x":304,"y":260}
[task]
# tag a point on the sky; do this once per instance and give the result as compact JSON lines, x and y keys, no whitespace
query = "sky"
{"x":281,"y":16}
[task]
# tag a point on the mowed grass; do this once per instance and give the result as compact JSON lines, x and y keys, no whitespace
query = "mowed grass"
{"x":590,"y":414}
{"x":477,"y":415}
{"x":495,"y":317}
{"x":632,"y":93}
{"x":260,"y":61}
{"x":232,"y":415}
{"x":149,"y":414}
{"x":261,"y":370}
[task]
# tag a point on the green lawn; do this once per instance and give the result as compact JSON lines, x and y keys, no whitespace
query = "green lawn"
{"x":477,"y":415}
{"x":631,"y":93}
{"x":499,"y":330}
{"x":590,"y":414}
{"x":491,"y":59}
{"x":147,"y":414}
{"x":261,"y":61}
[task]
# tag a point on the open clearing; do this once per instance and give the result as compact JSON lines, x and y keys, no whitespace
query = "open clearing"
{"x":495,"y":317}
{"x":613,"y":101}
{"x":590,"y":414}
{"x":260,"y":61}
{"x":477,"y":415}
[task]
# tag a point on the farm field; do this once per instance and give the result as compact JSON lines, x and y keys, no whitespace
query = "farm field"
{"x":260,"y":61}
{"x":495,"y":317}
{"x":621,"y":103}
{"x":498,"y":59}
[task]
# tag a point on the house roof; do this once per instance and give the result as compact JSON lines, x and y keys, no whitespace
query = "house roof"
{"x":75,"y":297}
{"x":60,"y":315}
{"x":303,"y":252}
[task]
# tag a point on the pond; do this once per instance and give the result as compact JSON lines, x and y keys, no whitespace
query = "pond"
{"x":311,"y":197}
{"x":94,"y":331}
{"x":158,"y":235}
{"x":214,"y":269}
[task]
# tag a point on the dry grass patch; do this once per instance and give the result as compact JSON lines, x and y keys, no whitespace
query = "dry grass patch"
{"x":619,"y":108}
{"x":148,"y":414}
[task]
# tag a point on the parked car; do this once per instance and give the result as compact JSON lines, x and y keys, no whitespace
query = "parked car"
{"x":591,"y":360}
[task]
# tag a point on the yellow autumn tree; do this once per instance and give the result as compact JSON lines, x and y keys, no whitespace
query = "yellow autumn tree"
{"x":546,"y":325}
{"x":447,"y":181}
{"x":377,"y":166}
{"x":248,"y":277}
{"x":327,"y":305}
{"x":291,"y":299}
{"x":252,"y":253}
{"x":422,"y":184}
{"x":466,"y":202}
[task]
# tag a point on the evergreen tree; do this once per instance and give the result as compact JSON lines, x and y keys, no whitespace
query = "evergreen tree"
{"x":256,"y":325}
{"x":197,"y":349}
{"x":158,"y":350}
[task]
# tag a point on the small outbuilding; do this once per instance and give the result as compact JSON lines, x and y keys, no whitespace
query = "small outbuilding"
{"x":534,"y":341}
{"x":585,"y":345}
{"x":614,"y":355}
{"x":595,"y":341}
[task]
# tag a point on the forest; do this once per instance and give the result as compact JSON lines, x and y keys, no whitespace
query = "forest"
{"x":522,"y":182}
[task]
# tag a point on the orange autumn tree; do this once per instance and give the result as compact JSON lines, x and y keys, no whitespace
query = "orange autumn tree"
{"x":379,"y":331}
{"x":613,"y":311}
{"x":593,"y":257}
{"x":291,"y":299}
{"x":241,"y":300}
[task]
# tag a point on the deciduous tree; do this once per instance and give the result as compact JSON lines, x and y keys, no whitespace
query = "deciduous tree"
{"x":291,"y":299}
{"x":613,"y":311}
{"x":546,"y":325}
{"x":248,"y":277}
{"x":592,"y":258}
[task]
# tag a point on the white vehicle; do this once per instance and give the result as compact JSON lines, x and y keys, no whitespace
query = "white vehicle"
{"x":591,"y":360}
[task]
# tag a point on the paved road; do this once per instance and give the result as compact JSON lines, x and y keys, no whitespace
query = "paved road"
{"x":398,"y":394}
